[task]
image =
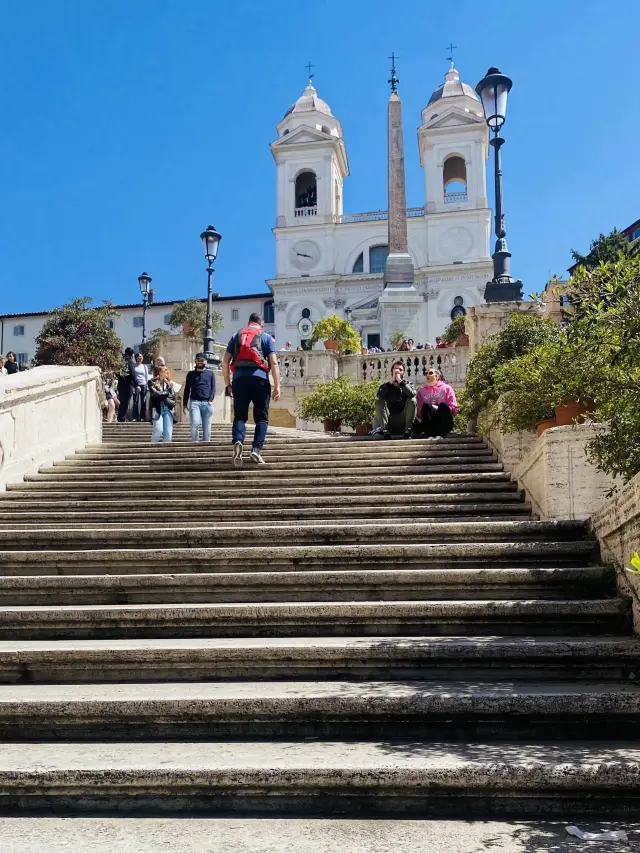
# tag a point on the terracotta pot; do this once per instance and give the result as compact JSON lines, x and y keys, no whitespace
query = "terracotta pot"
{"x":570,"y":412}
{"x":331,"y":425}
{"x":544,"y":425}
{"x":363,"y":429}
{"x":332,"y":345}
{"x":463,"y":340}
{"x":186,"y":328}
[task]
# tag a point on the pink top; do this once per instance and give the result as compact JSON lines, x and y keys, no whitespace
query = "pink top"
{"x":436,"y":394}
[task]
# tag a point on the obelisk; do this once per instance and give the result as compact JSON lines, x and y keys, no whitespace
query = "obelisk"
{"x":399,"y":302}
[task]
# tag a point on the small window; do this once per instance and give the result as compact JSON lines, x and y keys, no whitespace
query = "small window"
{"x":635,"y":234}
{"x":22,"y":357}
{"x":268,"y":312}
{"x":111,"y":324}
{"x":167,"y":319}
{"x":306,"y":313}
{"x":378,"y":258}
{"x":138,"y":322}
{"x":235,"y":314}
{"x":18,"y":331}
{"x":359,"y":264}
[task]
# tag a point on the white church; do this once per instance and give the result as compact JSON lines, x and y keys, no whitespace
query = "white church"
{"x":328,"y":261}
{"x":331,"y":262}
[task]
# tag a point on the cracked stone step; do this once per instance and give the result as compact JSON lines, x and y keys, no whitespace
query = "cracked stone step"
{"x":291,"y":534}
{"x":487,"y":658}
{"x":296,"y":557}
{"x":374,"y":778}
{"x":264,"y":585}
{"x":308,"y":618}
{"x":306,"y":709}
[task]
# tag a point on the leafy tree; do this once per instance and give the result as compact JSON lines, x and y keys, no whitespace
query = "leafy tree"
{"x":453,"y":331}
{"x":77,"y":334}
{"x":337,"y":329}
{"x":150,"y":346}
{"x":607,"y":248}
{"x":396,"y":339}
{"x":191,"y":316}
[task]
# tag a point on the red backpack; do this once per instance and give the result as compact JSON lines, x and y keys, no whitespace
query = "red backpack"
{"x":248,"y":350}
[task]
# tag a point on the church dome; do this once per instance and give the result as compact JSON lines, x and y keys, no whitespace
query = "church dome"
{"x":452,"y":88}
{"x":308,"y":102}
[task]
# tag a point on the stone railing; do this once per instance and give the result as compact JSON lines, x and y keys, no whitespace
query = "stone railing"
{"x":45,"y":414}
{"x":453,"y":198}
{"x":452,"y":361}
{"x":305,"y":211}
{"x":307,"y":368}
{"x":375,"y":215}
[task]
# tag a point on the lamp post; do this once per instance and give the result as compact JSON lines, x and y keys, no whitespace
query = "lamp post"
{"x":348,"y":313}
{"x":210,"y":240}
{"x":144,"y":281}
{"x":493,"y":90}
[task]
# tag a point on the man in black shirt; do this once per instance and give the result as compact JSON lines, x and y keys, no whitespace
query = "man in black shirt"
{"x":199,"y":392}
{"x":396,"y":404}
{"x":127,"y":381}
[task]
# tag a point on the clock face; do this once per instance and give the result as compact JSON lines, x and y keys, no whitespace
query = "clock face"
{"x":305,"y":255}
{"x":456,"y":243}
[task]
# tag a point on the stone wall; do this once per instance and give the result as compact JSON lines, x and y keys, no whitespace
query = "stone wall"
{"x":483,"y":321}
{"x":45,"y":414}
{"x":617,"y":527}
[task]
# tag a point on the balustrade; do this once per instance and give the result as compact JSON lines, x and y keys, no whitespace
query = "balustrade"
{"x":305,"y":211}
{"x":452,"y":361}
{"x":375,"y":215}
{"x":301,"y":367}
{"x":452,"y":198}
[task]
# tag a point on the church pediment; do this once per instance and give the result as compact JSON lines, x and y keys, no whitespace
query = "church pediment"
{"x":303,"y":135}
{"x":454,"y":118}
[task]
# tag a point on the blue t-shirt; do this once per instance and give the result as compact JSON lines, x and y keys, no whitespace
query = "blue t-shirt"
{"x":267,"y":344}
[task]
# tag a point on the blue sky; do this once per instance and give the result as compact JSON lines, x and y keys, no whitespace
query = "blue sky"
{"x":127,"y":126}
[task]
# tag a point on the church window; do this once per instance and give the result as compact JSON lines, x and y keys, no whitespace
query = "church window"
{"x":326,"y":129}
{"x":268,"y":311}
{"x":359,"y":264}
{"x":454,"y":177}
{"x":458,"y":309}
{"x":306,"y":313}
{"x":378,"y":258}
{"x":306,"y":191}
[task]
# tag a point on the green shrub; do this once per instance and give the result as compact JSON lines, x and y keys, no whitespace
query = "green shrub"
{"x":192,"y":313}
{"x":453,"y":331}
{"x":360,"y":405}
{"x":327,"y":402}
{"x":336,"y":329}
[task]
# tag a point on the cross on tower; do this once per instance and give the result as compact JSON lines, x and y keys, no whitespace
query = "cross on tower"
{"x":393,"y":80}
{"x":309,"y":66}
{"x":451,"y":48}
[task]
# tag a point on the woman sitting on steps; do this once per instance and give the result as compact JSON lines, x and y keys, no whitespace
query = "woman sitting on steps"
{"x":436,"y":406}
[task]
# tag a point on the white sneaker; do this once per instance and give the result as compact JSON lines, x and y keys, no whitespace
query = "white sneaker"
{"x":256,"y":457}
{"x":237,"y":455}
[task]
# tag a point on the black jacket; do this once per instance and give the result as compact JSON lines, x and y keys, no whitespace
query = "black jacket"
{"x":159,"y":395}
{"x":129,"y":372}
{"x":395,"y":396}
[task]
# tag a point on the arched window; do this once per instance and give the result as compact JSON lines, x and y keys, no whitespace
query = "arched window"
{"x":268,"y":312}
{"x":458,"y":309}
{"x":359,"y":264}
{"x":306,"y":194}
{"x":454,"y":179}
{"x":378,"y":258}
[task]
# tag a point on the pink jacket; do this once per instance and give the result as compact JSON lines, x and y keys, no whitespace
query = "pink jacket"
{"x":436,"y":394}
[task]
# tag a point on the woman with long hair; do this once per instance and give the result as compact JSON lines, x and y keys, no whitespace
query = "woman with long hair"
{"x":11,"y":364}
{"x":162,"y":404}
{"x":436,"y":406}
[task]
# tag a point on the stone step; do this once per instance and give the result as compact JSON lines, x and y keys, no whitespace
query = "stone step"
{"x":212,"y":501}
{"x":451,"y":710}
{"x":321,"y":658}
{"x":176,"y":560}
{"x":373,"y":778}
{"x":219,"y":518}
{"x":318,"y":585}
{"x":326,"y":618}
{"x":380,"y":533}
{"x":378,"y":463}
{"x":232,"y":479}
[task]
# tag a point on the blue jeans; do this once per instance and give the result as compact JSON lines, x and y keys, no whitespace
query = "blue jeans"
{"x":140,"y":403}
{"x":246,"y":390}
{"x":200,"y":412}
{"x":162,"y":427}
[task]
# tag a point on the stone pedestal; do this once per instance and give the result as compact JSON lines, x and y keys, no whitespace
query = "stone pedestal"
{"x":482,"y":321}
{"x":399,"y":311}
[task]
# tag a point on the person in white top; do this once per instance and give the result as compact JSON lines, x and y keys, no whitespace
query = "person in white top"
{"x":3,"y":369}
{"x":140,"y":390}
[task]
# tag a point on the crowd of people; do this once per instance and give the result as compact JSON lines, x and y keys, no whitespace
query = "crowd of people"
{"x":407,"y":345}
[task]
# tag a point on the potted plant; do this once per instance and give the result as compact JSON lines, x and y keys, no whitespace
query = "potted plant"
{"x":327,"y":403}
{"x":190,"y":317}
{"x":360,"y":406}
{"x":338,"y":335}
{"x":454,"y":334}
{"x":529,"y":390}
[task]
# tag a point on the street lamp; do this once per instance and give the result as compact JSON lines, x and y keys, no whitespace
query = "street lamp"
{"x":210,"y":240}
{"x":493,"y":90}
{"x":144,"y":281}
{"x":348,"y":312}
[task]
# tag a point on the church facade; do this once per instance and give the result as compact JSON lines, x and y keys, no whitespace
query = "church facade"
{"x":330,"y":262}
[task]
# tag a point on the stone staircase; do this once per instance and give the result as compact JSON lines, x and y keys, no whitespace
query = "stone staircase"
{"x":358,"y":628}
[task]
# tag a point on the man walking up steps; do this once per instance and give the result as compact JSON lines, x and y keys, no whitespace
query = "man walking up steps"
{"x":250,"y":356}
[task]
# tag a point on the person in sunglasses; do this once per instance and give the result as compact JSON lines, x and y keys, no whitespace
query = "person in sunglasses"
{"x":436,"y":406}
